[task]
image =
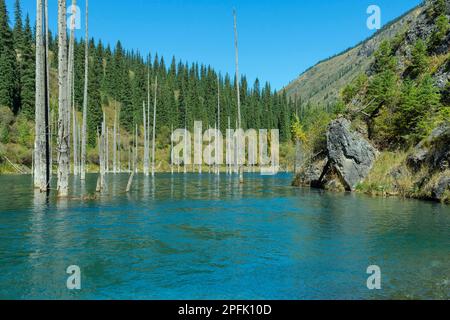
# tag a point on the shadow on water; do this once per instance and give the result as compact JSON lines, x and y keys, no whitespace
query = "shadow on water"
{"x":190,"y":236}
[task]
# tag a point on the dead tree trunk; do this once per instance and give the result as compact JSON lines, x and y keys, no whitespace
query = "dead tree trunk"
{"x":107,"y":149}
{"x":63,"y":104}
{"x":154,"y":129}
{"x":241,"y":168}
{"x":102,"y":157}
{"x":218,"y":124}
{"x":115,"y":143}
{"x":146,"y":147}
{"x":85,"y":97}
{"x":39,"y":157}
{"x":70,"y":79}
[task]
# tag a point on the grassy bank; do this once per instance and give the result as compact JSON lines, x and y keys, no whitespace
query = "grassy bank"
{"x":391,"y":177}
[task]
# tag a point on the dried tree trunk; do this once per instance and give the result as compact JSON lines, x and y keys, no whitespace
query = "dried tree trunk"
{"x":218,"y":119}
{"x":119,"y":165}
{"x":229,"y":149}
{"x":39,"y":165}
{"x":107,"y":149}
{"x":85,"y":97}
{"x":241,"y":171}
{"x":63,"y":104}
{"x":171,"y":150}
{"x":146,"y":143}
{"x":101,"y":185}
{"x":148,"y":114}
{"x":75,"y":140}
{"x":154,"y":129}
{"x":115,"y":143}
{"x":134,"y":171}
{"x":70,"y":81}
{"x":136,"y":147}
{"x":48,"y":136}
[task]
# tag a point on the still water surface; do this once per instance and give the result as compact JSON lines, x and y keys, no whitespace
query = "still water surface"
{"x":204,"y":237}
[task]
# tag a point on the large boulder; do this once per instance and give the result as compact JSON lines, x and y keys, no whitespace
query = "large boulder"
{"x":432,"y":153}
{"x":349,"y":154}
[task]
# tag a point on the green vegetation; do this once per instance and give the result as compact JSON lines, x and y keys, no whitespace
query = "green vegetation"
{"x":404,"y":105}
{"x":118,"y":82}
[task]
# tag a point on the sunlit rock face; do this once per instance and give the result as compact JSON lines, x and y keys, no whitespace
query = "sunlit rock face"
{"x":349,"y":154}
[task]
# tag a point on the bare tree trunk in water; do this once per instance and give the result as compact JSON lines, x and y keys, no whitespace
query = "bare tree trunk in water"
{"x":39,"y":156}
{"x":70,"y":80}
{"x":101,"y":185}
{"x":134,"y":171}
{"x":115,"y":143}
{"x":48,"y":136}
{"x":241,"y":168}
{"x":85,"y":97}
{"x":147,"y":138}
{"x":107,"y":149}
{"x":146,"y":146}
{"x":63,"y":104}
{"x":154,"y":129}
{"x":218,"y":121}
{"x":119,"y":148}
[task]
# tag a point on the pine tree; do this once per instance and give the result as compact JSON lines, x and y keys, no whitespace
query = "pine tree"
{"x":8,"y":79}
{"x":18,"y":27}
{"x":419,"y":60}
{"x":27,"y":72}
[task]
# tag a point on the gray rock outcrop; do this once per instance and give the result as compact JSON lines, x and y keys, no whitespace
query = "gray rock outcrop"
{"x":440,"y":188}
{"x":433,"y":152}
{"x":349,"y":154}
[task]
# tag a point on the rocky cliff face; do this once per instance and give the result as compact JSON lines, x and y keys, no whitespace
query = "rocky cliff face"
{"x":432,"y":158}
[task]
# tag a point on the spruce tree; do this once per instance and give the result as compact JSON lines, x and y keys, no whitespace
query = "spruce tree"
{"x":8,"y":79}
{"x":27,"y":72}
{"x":18,"y":26}
{"x":419,"y":60}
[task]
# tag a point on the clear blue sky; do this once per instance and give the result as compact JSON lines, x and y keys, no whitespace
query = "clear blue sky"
{"x":278,"y":39}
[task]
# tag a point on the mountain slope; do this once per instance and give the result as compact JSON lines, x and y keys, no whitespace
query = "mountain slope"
{"x":321,"y":84}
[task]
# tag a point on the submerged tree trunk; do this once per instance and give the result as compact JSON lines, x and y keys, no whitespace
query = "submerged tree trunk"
{"x":48,"y":136}
{"x":63,"y":104}
{"x":85,"y":97}
{"x":218,"y":124}
{"x":107,"y":149}
{"x":134,"y":171}
{"x":171,"y":150}
{"x":115,"y":143}
{"x":146,"y":144}
{"x":39,"y":156}
{"x":70,"y":82}
{"x":154,"y":129}
{"x":101,"y":185}
{"x":241,"y":168}
{"x":75,"y":140}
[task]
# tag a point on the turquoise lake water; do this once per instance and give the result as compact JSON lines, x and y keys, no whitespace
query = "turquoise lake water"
{"x":204,"y":237}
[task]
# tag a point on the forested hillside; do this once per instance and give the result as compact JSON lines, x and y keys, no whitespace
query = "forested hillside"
{"x":400,"y":105}
{"x":118,"y":80}
{"x":321,"y":84}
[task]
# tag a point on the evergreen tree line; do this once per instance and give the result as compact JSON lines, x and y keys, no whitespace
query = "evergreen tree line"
{"x":118,"y":79}
{"x":17,"y":62}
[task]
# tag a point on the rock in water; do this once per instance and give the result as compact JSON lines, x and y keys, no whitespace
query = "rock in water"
{"x":349,"y":153}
